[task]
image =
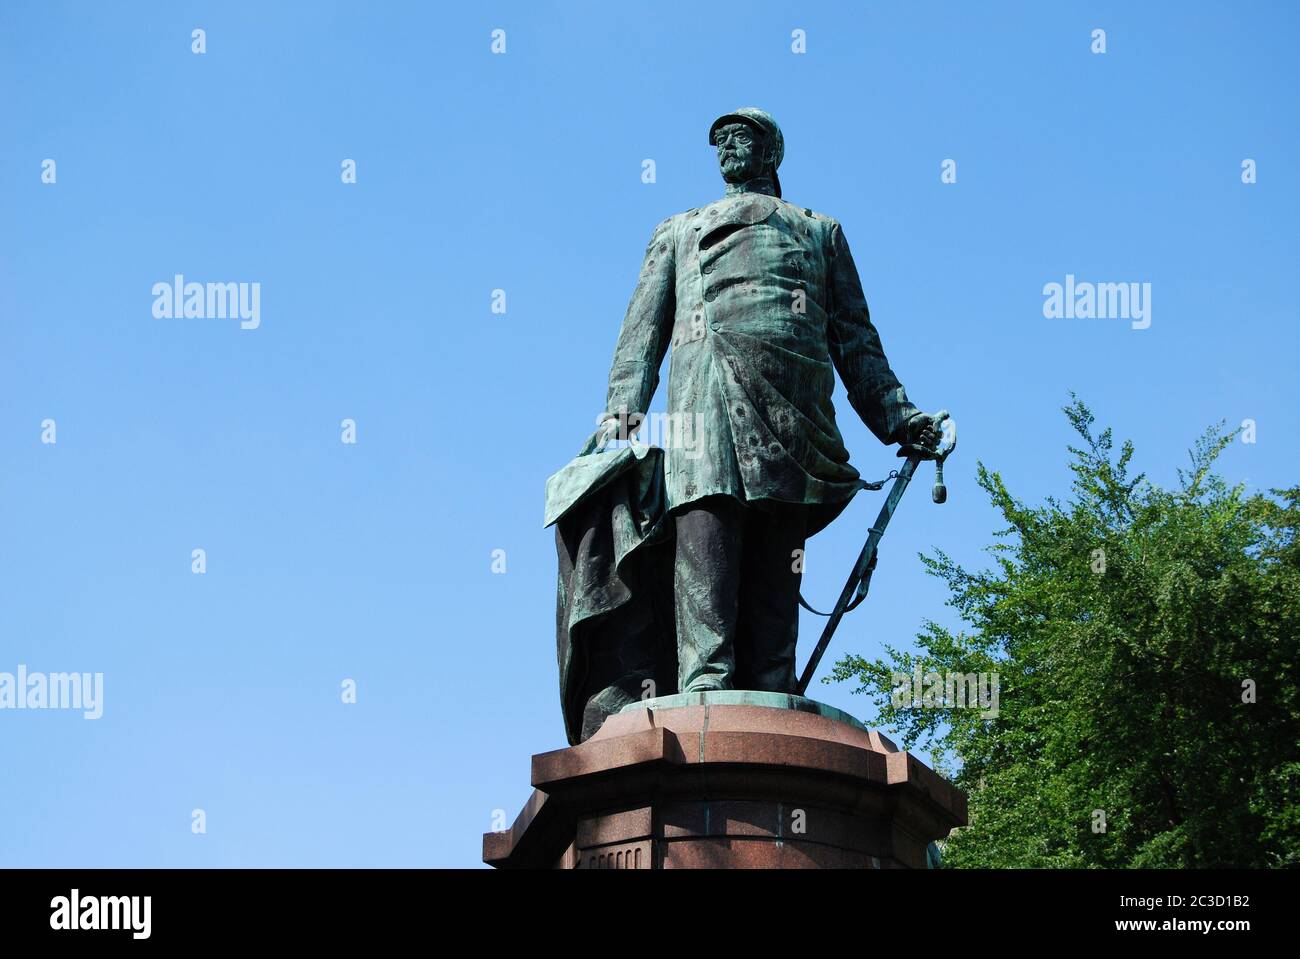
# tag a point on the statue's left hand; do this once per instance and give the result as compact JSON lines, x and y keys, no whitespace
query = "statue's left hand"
{"x":925,"y":430}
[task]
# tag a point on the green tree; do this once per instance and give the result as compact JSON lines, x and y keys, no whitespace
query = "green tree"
{"x":1127,"y":626}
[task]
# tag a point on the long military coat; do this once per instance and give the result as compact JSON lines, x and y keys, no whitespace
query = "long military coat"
{"x":761,"y":303}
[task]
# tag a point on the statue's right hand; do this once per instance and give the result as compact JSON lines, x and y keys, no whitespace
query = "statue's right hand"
{"x":598,"y":440}
{"x":610,"y":428}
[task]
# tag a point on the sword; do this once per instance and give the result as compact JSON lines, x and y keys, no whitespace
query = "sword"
{"x":860,"y":579}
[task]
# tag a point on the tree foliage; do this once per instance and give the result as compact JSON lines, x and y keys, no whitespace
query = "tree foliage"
{"x":1126,"y":625}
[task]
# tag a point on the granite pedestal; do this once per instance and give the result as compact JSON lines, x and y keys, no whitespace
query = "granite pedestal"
{"x":729,"y":779}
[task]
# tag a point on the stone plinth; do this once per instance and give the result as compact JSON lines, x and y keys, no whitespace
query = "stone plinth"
{"x":729,"y":780}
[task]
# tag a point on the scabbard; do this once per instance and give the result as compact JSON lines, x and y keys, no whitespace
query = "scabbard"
{"x":861,"y":569}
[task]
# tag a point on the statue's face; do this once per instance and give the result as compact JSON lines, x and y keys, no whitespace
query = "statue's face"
{"x":741,"y":152}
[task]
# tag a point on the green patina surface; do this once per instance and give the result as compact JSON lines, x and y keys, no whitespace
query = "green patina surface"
{"x":744,"y":697}
{"x":679,"y":570}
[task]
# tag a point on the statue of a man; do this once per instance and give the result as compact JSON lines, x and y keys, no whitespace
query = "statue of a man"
{"x":761,"y":303}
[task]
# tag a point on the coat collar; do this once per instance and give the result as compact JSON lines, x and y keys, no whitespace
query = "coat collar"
{"x":743,"y":209}
{"x":760,"y":184}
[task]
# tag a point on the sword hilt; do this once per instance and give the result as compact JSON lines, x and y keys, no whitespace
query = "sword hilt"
{"x":939,"y":493}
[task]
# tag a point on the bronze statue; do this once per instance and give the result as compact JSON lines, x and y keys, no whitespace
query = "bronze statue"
{"x":701,"y":563}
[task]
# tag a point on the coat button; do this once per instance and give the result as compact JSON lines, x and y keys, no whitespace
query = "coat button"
{"x":711,"y":295}
{"x":709,"y":268}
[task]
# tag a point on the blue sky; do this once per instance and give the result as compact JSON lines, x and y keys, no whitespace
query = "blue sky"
{"x":522,"y":172}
